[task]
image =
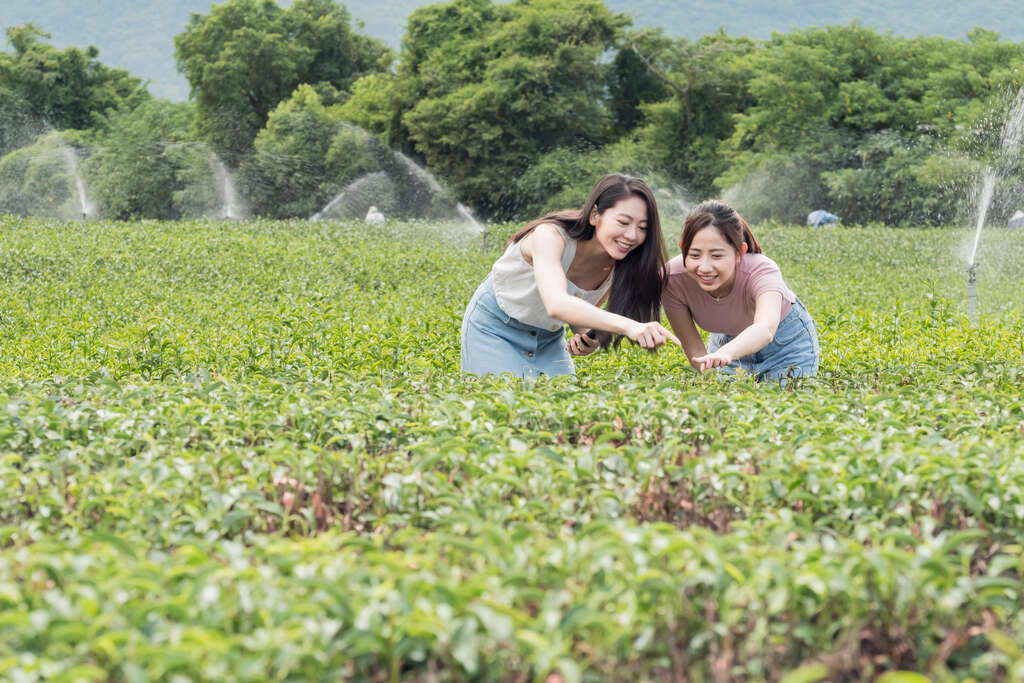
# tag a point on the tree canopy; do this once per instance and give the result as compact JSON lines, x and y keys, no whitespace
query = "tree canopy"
{"x":483,"y":89}
{"x":67,"y":88}
{"x":138,"y":35}
{"x":859,"y":117}
{"x":246,"y":56}
{"x":516,"y":107}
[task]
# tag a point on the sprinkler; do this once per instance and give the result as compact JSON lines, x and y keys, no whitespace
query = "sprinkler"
{"x":1009,"y":147}
{"x":972,"y":293}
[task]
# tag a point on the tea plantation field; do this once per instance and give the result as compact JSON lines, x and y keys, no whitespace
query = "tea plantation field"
{"x":243,"y":451}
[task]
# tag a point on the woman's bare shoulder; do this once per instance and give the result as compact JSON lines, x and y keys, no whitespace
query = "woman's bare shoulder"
{"x":546,"y":237}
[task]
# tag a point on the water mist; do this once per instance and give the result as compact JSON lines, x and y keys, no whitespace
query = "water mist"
{"x":1009,"y":145}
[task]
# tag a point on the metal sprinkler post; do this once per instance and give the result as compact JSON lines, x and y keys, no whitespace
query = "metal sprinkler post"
{"x":972,"y":293}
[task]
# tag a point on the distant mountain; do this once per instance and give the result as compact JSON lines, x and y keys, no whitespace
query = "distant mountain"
{"x":759,"y":18}
{"x":131,"y":34}
{"x":137,"y":34}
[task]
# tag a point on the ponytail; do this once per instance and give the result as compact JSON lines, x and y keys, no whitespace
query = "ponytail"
{"x":753,"y":247}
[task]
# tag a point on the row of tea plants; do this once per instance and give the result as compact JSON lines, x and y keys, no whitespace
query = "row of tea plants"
{"x":243,"y":451}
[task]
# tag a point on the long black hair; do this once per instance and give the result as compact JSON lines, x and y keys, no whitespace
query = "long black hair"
{"x":638,"y":278}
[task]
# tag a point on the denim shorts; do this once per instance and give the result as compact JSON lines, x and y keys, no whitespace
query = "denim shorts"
{"x":494,"y":342}
{"x":793,"y":352}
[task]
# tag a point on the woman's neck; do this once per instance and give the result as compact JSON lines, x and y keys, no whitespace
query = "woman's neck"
{"x":722,"y":292}
{"x":589,"y":270}
{"x":594,"y":255}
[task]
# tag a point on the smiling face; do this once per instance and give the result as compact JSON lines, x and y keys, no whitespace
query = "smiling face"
{"x":622,"y":227}
{"x":712,"y":261}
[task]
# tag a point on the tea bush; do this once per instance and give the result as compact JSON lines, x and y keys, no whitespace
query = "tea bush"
{"x":243,"y":451}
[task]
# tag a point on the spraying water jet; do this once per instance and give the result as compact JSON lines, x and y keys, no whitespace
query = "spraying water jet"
{"x":232,"y":206}
{"x":85,"y":206}
{"x":1009,"y":146}
{"x":399,"y":188}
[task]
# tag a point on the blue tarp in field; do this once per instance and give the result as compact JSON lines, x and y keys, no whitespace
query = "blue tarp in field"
{"x":820,"y":217}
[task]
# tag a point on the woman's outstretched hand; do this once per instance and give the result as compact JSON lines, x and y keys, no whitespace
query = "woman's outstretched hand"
{"x":718,"y":359}
{"x":582,"y":345}
{"x":652,"y":335}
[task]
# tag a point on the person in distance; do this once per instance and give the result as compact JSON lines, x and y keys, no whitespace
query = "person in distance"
{"x":559,"y":269}
{"x":722,"y":282}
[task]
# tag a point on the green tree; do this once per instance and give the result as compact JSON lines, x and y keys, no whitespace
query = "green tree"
{"x":308,"y":155}
{"x":484,"y":89}
{"x":304,"y":156}
{"x":375,"y":106}
{"x":138,"y":156}
{"x":634,"y":78}
{"x":62,"y":88}
{"x":18,"y":126}
{"x":856,"y":118}
{"x":40,"y":179}
{"x":562,"y":178}
{"x":708,"y":80}
{"x":246,"y":56}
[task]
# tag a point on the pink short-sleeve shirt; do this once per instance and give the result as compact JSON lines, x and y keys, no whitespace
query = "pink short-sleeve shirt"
{"x":733,"y":313}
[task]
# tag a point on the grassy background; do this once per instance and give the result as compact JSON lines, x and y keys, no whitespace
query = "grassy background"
{"x":239,"y":451}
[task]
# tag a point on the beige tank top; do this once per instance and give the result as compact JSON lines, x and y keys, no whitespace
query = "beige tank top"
{"x":515,"y":286}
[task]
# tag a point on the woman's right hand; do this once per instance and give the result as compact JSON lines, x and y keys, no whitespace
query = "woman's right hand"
{"x":718,"y":359}
{"x":651,"y":335}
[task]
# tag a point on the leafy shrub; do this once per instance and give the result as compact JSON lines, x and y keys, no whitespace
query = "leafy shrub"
{"x":244,"y":450}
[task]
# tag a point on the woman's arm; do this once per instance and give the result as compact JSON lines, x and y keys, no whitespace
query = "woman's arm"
{"x":545,"y":250}
{"x":584,"y":339}
{"x":583,"y":329}
{"x":682,"y":324}
{"x":767,"y":314}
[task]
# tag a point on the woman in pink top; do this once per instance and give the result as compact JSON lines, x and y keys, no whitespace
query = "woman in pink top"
{"x":723,"y":283}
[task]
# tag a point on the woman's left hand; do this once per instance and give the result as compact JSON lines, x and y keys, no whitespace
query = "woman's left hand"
{"x":582,"y":345}
{"x":718,"y":359}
